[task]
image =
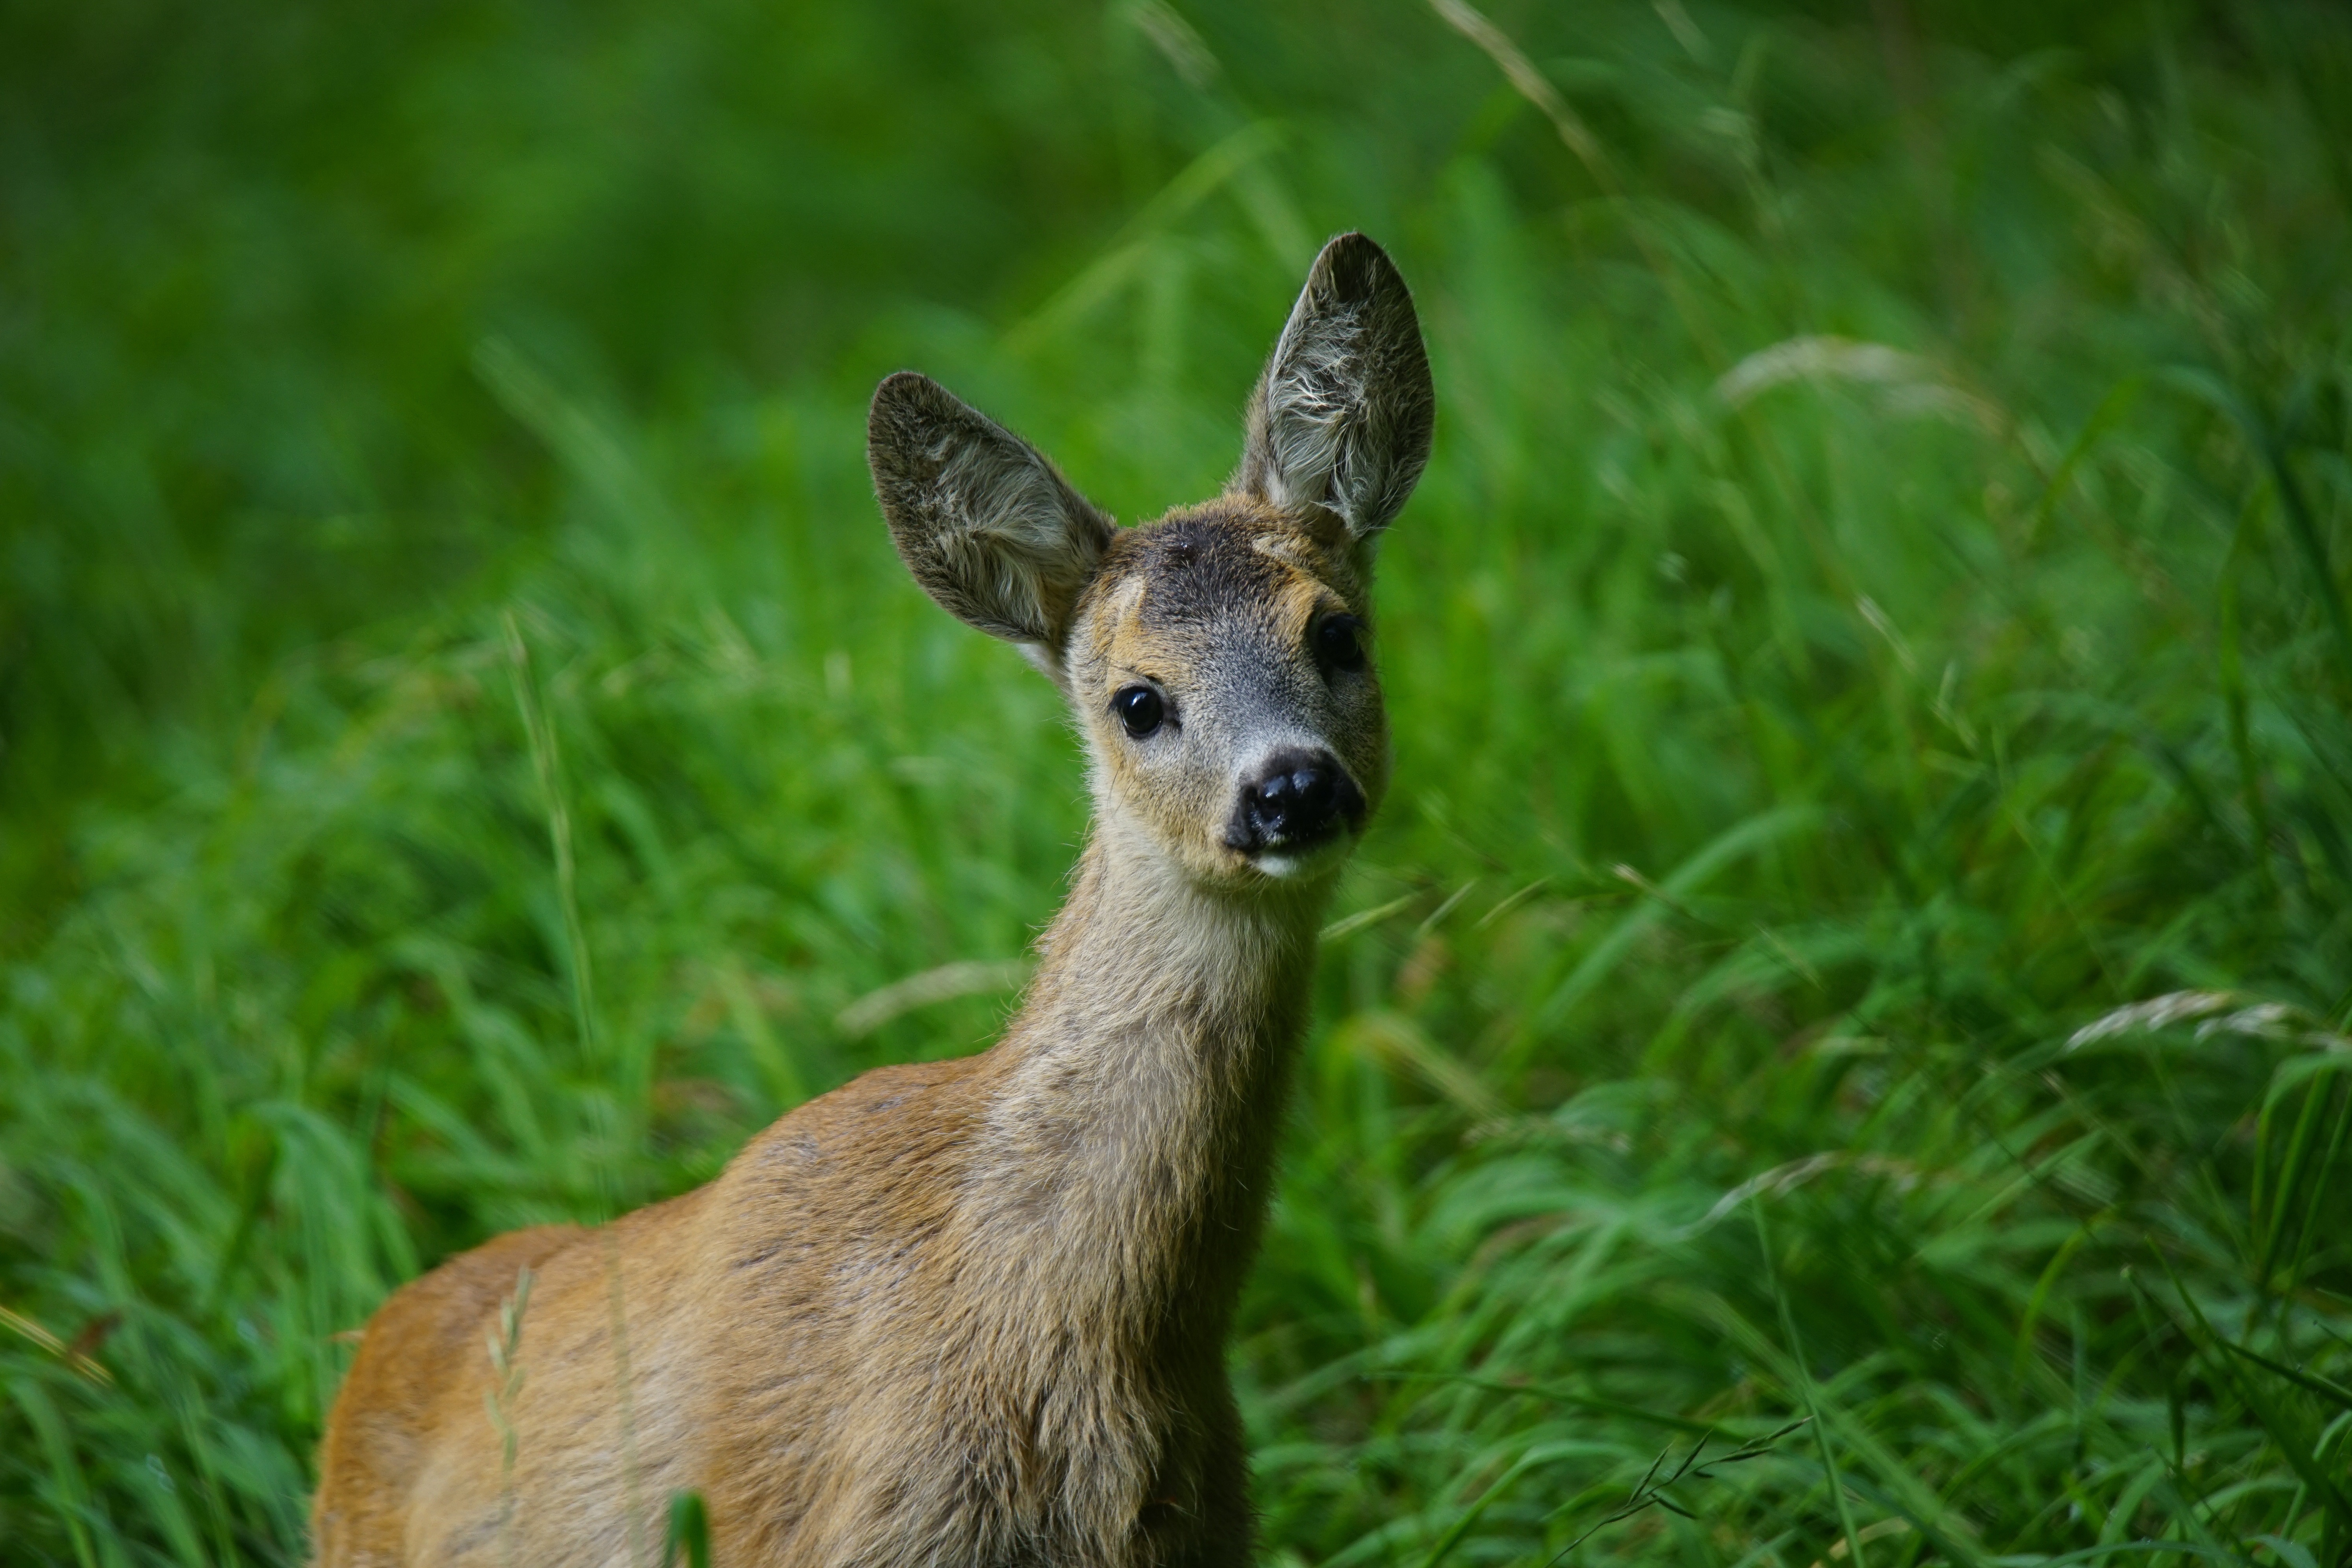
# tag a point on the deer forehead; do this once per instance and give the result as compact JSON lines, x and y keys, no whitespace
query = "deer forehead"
{"x":1181,"y":592}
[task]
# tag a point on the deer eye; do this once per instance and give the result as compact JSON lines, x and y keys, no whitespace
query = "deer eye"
{"x":1339,"y":643}
{"x":1140,"y":708}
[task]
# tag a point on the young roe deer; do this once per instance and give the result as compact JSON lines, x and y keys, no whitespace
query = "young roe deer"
{"x":974,"y":1311}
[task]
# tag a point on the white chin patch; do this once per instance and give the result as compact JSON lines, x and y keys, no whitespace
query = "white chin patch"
{"x":1283,"y":864}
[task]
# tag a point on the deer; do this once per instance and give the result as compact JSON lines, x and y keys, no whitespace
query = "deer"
{"x":975,"y":1311}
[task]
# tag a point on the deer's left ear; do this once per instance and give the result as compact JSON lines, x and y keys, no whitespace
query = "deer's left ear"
{"x":979,"y":516}
{"x":1341,"y":417}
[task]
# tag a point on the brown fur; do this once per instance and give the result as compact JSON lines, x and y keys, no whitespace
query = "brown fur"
{"x":967,"y":1312}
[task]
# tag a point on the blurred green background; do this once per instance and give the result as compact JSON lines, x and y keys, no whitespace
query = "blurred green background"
{"x":1862,"y":931}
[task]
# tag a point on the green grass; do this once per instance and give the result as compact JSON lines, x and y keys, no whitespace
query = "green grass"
{"x":1875,"y":613}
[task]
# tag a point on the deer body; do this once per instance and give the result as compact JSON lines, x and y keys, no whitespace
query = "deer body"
{"x":974,"y":1311}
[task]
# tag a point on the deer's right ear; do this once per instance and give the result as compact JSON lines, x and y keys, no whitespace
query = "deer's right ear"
{"x":979,"y":516}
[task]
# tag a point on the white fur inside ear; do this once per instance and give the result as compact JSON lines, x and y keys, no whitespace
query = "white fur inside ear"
{"x":1317,"y":384}
{"x":1006,"y":532}
{"x":1341,"y":417}
{"x":979,"y":516}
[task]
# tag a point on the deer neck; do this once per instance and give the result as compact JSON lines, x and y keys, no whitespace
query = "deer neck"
{"x":1129,"y":1142}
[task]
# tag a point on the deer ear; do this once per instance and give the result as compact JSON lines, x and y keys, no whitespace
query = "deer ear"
{"x":979,"y":516}
{"x":1341,"y":417}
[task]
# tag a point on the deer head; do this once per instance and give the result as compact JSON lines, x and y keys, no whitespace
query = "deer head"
{"x":1219,"y":660}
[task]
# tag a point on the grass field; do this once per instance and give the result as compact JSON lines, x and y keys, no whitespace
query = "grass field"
{"x":1836,"y":1052}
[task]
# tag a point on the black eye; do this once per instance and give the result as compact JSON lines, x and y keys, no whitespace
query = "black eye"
{"x":1339,"y":642}
{"x":1140,"y":708}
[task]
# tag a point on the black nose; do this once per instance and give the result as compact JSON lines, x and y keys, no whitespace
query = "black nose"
{"x":1297,"y":801}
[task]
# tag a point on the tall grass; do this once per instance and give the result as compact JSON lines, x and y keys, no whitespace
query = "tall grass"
{"x":1836,"y":1053}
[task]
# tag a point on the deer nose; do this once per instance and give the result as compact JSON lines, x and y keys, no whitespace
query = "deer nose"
{"x":1296,"y":800}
